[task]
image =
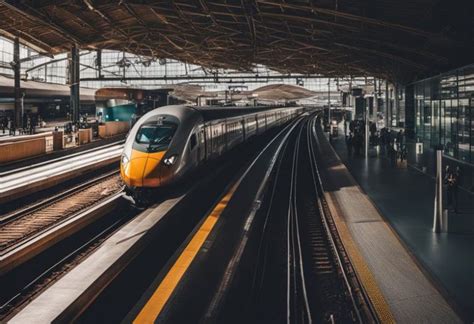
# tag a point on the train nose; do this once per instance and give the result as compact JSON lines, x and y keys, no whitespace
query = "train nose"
{"x":142,"y":171}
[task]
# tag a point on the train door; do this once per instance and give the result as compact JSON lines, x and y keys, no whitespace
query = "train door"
{"x":224,"y":136}
{"x":215,"y":139}
{"x":244,"y":131}
{"x":256,"y":125}
{"x":193,"y":147}
{"x":209,"y":140}
{"x":202,"y":144}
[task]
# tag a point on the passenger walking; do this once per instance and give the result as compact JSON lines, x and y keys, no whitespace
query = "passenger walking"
{"x":451,"y":179}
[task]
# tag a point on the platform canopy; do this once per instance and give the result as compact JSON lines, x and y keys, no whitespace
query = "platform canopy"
{"x":392,"y":39}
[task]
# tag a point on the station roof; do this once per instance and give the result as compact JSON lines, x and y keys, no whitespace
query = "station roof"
{"x":392,"y":39}
{"x":271,"y":92}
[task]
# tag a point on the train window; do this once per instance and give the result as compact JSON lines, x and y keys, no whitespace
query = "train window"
{"x":193,"y":141}
{"x":156,"y":137}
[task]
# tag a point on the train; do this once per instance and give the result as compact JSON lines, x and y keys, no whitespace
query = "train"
{"x":169,"y":142}
{"x":125,"y":104}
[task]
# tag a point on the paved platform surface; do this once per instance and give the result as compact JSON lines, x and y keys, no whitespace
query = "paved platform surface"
{"x":405,"y":199}
{"x":78,"y":287}
{"x":410,"y":294}
{"x":97,"y":143}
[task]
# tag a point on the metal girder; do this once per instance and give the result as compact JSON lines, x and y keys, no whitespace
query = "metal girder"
{"x":74,"y":79}
{"x":17,"y":82}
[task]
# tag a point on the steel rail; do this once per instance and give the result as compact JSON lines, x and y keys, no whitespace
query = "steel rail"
{"x":47,"y":230}
{"x":5,"y":219}
{"x":58,"y":264}
{"x":295,"y":254}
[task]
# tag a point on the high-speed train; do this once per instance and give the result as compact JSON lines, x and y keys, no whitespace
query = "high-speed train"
{"x":169,"y":142}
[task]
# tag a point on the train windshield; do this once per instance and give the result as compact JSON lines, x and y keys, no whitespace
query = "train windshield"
{"x":156,"y":136}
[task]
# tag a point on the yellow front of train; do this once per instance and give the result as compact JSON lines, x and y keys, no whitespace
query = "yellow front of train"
{"x":143,"y":158}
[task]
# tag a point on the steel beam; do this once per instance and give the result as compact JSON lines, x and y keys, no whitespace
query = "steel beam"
{"x":213,"y":78}
{"x":99,"y":63}
{"x":17,"y":85}
{"x":74,"y":80}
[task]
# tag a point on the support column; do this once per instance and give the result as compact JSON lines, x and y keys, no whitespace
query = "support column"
{"x":396,"y":91}
{"x":376,"y":101}
{"x":329,"y":103}
{"x":74,"y":83}
{"x":387,"y":106}
{"x":17,"y":70}
{"x":366,"y":128}
{"x":439,"y":219}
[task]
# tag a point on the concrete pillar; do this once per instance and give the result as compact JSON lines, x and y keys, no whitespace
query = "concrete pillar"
{"x":74,"y":83}
{"x":439,"y":218}
{"x":350,"y":92}
{"x":329,"y":103}
{"x":17,"y":89}
{"x":376,"y":101}
{"x":366,"y":130}
{"x":396,"y":91}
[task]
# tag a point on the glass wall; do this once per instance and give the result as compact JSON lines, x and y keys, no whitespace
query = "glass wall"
{"x":444,"y":112}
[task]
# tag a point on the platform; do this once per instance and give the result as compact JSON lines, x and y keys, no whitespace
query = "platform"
{"x":394,"y":208}
{"x":26,"y":180}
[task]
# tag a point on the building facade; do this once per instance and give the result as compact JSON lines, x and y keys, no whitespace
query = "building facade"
{"x":444,"y":113}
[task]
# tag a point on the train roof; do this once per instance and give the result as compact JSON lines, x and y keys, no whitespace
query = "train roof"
{"x":208,"y":113}
{"x":218,"y":112}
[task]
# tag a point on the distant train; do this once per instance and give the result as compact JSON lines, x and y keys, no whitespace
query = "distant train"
{"x":169,"y":142}
{"x":125,"y":104}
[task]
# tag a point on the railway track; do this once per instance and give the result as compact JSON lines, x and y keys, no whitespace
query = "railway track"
{"x":301,"y":262}
{"x":28,"y":232}
{"x":24,"y":282}
{"x":42,"y":242}
{"x":25,"y":223}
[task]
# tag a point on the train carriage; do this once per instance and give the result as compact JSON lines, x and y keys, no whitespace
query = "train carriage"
{"x":168,"y":142}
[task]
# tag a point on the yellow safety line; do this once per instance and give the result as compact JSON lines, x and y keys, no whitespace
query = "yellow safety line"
{"x":367,"y":279}
{"x":157,"y":301}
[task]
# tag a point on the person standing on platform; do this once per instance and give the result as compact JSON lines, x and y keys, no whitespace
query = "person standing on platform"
{"x":373,"y":131}
{"x":349,"y":143}
{"x":24,"y":123}
{"x":4,"y":124}
{"x":392,"y":152}
{"x":401,"y":140}
{"x":358,"y":139}
{"x":451,"y":179}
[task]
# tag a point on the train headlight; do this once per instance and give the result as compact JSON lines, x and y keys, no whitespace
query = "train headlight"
{"x":124,"y":159}
{"x":169,"y":161}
